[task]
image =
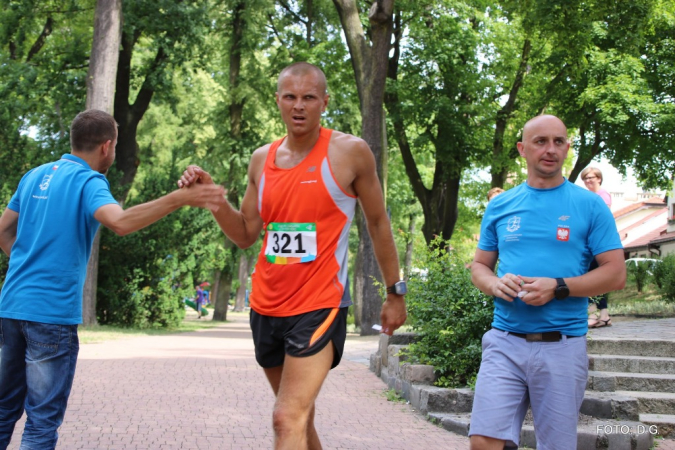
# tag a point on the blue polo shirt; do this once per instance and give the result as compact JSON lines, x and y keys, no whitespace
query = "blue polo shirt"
{"x":546,"y":233}
{"x":56,"y":203}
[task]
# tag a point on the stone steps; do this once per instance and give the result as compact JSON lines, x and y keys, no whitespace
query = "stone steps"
{"x":630,"y":393}
{"x":663,"y":424}
{"x":591,"y":433}
{"x":632,"y":347}
{"x":621,"y":381}
{"x":631,"y":364}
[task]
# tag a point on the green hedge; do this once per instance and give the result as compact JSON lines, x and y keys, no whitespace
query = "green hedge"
{"x":449,"y":315}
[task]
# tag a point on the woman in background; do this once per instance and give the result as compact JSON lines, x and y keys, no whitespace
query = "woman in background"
{"x":598,"y":315}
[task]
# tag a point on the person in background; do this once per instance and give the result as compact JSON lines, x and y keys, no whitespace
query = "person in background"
{"x":492,"y":193}
{"x":598,"y":313}
{"x":199,"y":301}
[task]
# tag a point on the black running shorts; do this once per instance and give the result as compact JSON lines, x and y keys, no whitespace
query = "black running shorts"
{"x":301,"y":335}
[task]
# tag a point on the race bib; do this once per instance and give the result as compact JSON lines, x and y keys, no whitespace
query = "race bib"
{"x":290,"y":243}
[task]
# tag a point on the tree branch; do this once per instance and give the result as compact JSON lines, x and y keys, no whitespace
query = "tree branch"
{"x":287,"y":7}
{"x":40,"y":41}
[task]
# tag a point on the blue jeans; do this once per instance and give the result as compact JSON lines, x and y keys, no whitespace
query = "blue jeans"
{"x":37,"y":366}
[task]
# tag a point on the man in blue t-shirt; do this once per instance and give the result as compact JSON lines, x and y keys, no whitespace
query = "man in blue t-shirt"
{"x":47,"y":231}
{"x":544,"y":233}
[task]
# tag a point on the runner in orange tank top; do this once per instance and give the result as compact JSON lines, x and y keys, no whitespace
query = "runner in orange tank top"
{"x":302,"y":191}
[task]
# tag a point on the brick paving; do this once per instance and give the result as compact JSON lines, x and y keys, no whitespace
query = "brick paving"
{"x":204,"y":390}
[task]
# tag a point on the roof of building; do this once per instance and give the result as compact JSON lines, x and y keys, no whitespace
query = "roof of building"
{"x":650,"y":202}
{"x":643,"y":241}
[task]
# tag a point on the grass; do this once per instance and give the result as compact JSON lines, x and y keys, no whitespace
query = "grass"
{"x":393,"y":396}
{"x":100,"y":333}
{"x":648,"y":303}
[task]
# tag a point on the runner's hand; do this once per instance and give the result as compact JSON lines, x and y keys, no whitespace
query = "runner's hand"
{"x":393,"y":313}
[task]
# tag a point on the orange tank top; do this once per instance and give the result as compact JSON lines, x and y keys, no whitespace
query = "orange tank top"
{"x":302,"y":265}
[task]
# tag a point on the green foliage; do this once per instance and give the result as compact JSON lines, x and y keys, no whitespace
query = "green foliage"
{"x":641,"y":272}
{"x":664,"y":277}
{"x":144,"y":276}
{"x":449,"y":315}
{"x":393,"y":396}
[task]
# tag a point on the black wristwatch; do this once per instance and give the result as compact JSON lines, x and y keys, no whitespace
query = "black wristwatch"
{"x":398,"y":288}
{"x":561,"y":291}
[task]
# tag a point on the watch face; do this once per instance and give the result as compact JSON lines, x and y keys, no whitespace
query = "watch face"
{"x":562,"y":292}
{"x":401,"y":288}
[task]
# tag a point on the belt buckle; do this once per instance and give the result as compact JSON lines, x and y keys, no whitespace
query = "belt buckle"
{"x":534,"y":337}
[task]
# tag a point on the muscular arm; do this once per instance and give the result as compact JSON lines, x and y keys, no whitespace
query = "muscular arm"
{"x":8,"y":226}
{"x":123,"y":222}
{"x":367,"y":187}
{"x":243,"y":227}
{"x":609,"y":276}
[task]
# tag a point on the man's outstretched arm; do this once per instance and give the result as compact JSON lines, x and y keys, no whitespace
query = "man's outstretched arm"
{"x":125,"y":221}
{"x":241,"y":226}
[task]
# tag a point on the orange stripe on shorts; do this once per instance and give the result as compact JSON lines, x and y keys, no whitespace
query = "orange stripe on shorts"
{"x":324,"y":326}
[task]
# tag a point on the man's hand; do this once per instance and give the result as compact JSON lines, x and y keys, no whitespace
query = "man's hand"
{"x":393,"y":313}
{"x":210,"y":196}
{"x":507,"y":287}
{"x":539,"y":290}
{"x":194,"y":174}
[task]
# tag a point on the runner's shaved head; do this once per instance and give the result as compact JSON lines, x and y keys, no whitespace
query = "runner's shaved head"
{"x":303,"y":68}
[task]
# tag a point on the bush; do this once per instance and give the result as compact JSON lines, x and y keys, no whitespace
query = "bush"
{"x":665,"y":278}
{"x":661,"y":271}
{"x":641,"y":272}
{"x":450,"y":316}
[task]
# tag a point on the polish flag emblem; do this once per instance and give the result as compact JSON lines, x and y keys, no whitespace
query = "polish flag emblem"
{"x":563,"y":234}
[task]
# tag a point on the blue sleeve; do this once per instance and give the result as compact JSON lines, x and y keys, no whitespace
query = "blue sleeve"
{"x":96,"y":193}
{"x":603,"y":235}
{"x":489,"y":240}
{"x":15,"y":202}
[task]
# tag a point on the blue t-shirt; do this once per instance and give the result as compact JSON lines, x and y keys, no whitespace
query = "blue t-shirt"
{"x":546,"y":233}
{"x":56,"y":203}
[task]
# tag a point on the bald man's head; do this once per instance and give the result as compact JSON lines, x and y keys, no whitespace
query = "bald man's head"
{"x":546,"y":121}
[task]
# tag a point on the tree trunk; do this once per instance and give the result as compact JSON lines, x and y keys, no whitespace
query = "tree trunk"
{"x":236,"y":110}
{"x":101,"y":95}
{"x":245,"y":264}
{"x":370,"y":69}
{"x":407,"y":262}
{"x":222,"y":300}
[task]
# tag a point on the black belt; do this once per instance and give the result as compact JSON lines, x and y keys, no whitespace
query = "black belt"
{"x":549,"y":336}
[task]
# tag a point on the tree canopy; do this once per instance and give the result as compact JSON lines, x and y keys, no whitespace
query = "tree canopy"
{"x":453,"y":85}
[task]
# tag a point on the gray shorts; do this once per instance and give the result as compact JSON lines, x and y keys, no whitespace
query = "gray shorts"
{"x":515,"y":373}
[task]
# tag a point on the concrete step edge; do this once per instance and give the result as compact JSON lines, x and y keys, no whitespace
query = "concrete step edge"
{"x":661,"y":376}
{"x":664,"y":423}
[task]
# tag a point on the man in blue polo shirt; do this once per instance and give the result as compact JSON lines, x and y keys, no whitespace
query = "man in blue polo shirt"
{"x":544,"y":233}
{"x":47,"y":231}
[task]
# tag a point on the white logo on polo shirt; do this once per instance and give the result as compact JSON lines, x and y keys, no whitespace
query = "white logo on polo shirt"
{"x":45,"y":182}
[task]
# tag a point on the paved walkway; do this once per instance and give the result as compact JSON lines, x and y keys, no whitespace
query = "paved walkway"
{"x":204,"y":390}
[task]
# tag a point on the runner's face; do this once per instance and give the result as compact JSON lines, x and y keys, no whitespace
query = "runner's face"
{"x":544,"y":147}
{"x":301,"y":100}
